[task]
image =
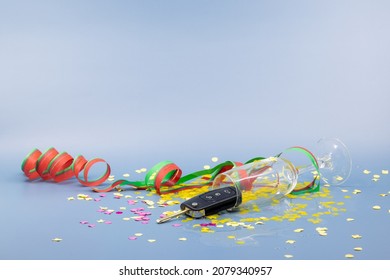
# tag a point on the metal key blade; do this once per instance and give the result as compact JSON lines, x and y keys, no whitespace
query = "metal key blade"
{"x":167,"y":218}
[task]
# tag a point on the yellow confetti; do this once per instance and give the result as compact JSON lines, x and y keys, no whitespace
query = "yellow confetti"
{"x":299,"y":230}
{"x":290,"y":241}
{"x":339,"y":178}
{"x":138,"y":234}
{"x":377,"y":176}
{"x":110,"y":179}
{"x":100,"y":221}
{"x":376,"y":207}
{"x":385,"y":172}
{"x":206,"y":166}
{"x":383,"y":194}
{"x":138,"y":171}
{"x":183,"y":239}
{"x":214,"y":159}
{"x":287,"y":256}
{"x":143,"y":169}
{"x":240,"y":242}
{"x":151,"y":240}
{"x":126,"y":175}
{"x":349,"y":256}
{"x":126,"y":219}
{"x":356,"y":236}
{"x":344,"y":190}
{"x":57,"y":239}
{"x":350,"y":219}
{"x":70,"y":198}
{"x":356,"y":191}
{"x":365,"y":171}
{"x":358,"y":248}
{"x":231,"y":236}
{"x":375,"y":179}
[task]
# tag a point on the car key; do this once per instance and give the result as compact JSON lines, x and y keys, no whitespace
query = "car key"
{"x":207,"y":203}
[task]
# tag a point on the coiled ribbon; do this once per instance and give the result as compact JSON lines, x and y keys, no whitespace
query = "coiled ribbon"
{"x":164,"y":177}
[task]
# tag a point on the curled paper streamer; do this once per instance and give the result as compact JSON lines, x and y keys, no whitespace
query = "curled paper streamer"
{"x":164,"y":177}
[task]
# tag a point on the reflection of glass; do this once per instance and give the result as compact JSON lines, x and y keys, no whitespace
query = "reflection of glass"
{"x":262,"y":181}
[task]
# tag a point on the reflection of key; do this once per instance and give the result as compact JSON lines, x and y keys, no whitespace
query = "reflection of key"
{"x":207,"y":203}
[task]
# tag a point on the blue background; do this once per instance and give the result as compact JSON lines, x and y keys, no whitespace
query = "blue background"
{"x":137,"y":82}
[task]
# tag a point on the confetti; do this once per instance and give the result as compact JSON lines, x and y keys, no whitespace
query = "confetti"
{"x":70,"y":198}
{"x":323,"y":231}
{"x":183,"y":239}
{"x":240,"y":242}
{"x":151,"y":240}
{"x":349,"y":256}
{"x":376,"y":207}
{"x":344,"y":190}
{"x":339,"y":178}
{"x":356,"y":191}
{"x":365,"y":171}
{"x":288,"y":256}
{"x":376,"y":176}
{"x":143,"y":169}
{"x":214,"y":159}
{"x":290,"y":241}
{"x":299,"y":230}
{"x":206,"y":166}
{"x":356,"y":236}
{"x":57,"y":239}
{"x":383,"y":194}
{"x":138,"y":234}
{"x":385,"y":172}
{"x":231,"y":236}
{"x":126,"y":175}
{"x":350,"y":219}
{"x":358,"y":248}
{"x":132,"y":237}
{"x":176,"y":225}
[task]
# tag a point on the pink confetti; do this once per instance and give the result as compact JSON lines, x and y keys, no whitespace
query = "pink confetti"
{"x":145,"y":222}
{"x":102,"y":195}
{"x":83,"y":222}
{"x":97,"y":199}
{"x":100,"y":210}
{"x":138,"y":219}
{"x":119,"y":212}
{"x":91,"y":225}
{"x":117,"y":197}
{"x":131,"y":202}
{"x":145,"y":219}
{"x":132,"y":237}
{"x":176,"y":225}
{"x":108,"y":222}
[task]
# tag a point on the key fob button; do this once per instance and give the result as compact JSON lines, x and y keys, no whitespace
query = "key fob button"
{"x":195,"y":204}
{"x":217,"y":194}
